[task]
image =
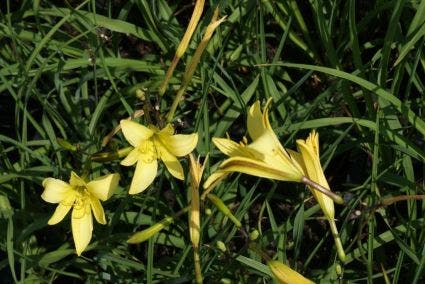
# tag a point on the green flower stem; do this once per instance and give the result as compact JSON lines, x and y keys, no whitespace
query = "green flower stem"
{"x":190,"y":70}
{"x":103,"y":157}
{"x":146,"y":234}
{"x":253,"y":247}
{"x":391,"y":200}
{"x":335,"y":197}
{"x":181,"y":49}
{"x":66,"y":144}
{"x":224,"y":209}
{"x":338,"y":243}
{"x":198,"y":273}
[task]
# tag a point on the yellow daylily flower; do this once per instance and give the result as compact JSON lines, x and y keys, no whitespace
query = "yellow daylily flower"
{"x":310,"y":156}
{"x":285,"y":275}
{"x":264,"y":157}
{"x":309,"y":150}
{"x":83,"y":197}
{"x":151,"y":144}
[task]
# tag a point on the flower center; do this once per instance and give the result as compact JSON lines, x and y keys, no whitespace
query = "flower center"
{"x":82,"y":201}
{"x":147,"y":149}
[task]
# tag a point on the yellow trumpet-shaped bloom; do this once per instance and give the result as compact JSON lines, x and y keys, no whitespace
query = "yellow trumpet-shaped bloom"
{"x":309,"y":150}
{"x":151,"y":144}
{"x":83,"y":198}
{"x":310,"y":156}
{"x":285,"y":275}
{"x":264,"y":157}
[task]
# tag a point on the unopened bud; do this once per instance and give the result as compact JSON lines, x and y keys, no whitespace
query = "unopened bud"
{"x":254,"y":235}
{"x":224,"y":209}
{"x":285,"y":275}
{"x":149,"y":232}
{"x":221,"y":246}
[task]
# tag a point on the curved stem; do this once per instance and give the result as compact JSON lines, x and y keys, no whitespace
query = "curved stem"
{"x":335,"y":197}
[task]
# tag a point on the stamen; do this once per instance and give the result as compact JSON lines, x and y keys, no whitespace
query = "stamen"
{"x":147,"y":148}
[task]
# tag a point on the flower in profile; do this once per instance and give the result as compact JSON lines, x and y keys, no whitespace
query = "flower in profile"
{"x":309,"y":150}
{"x":83,"y":197}
{"x":151,"y":144}
{"x":285,"y":275}
{"x":310,"y":156}
{"x":264,"y":157}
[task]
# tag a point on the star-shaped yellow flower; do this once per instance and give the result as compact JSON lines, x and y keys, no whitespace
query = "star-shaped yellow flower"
{"x":151,"y":144}
{"x":83,"y":198}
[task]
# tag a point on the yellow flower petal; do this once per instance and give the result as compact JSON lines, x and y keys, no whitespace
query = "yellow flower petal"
{"x":144,"y":175}
{"x":76,"y":181}
{"x":255,"y":122}
{"x":131,"y":158}
{"x":134,"y":132}
{"x":60,"y":213}
{"x":181,"y":144}
{"x":82,"y":228}
{"x":266,"y":120}
{"x":267,"y":147}
{"x":297,"y":159}
{"x":310,"y":153}
{"x":97,"y":208}
{"x":285,"y":275}
{"x":260,"y":169}
{"x":196,"y":169}
{"x":230,"y":148}
{"x":214,"y":179}
{"x":168,"y":130}
{"x":55,"y":190}
{"x":103,"y":187}
{"x":173,"y":165}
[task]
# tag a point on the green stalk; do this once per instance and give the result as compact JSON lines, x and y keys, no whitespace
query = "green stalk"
{"x":335,"y":197}
{"x":224,"y":209}
{"x":338,"y":243}
{"x":193,"y":23}
{"x":197,"y":260}
{"x":190,"y":70}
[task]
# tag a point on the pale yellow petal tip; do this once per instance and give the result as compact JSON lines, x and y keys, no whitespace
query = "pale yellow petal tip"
{"x":45,"y":181}
{"x":82,"y":228}
{"x":214,"y":179}
{"x":255,"y":107}
{"x":192,"y":141}
{"x":285,"y":275}
{"x":80,"y":251}
{"x":51,"y":222}
{"x":104,"y":187}
{"x":167,"y":130}
{"x":76,"y":180}
{"x":124,"y":122}
{"x":114,"y":179}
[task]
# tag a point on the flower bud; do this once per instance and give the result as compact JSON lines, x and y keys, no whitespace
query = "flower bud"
{"x":285,"y":275}
{"x":144,"y":235}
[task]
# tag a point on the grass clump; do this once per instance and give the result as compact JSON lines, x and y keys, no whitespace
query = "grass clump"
{"x":72,"y":72}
